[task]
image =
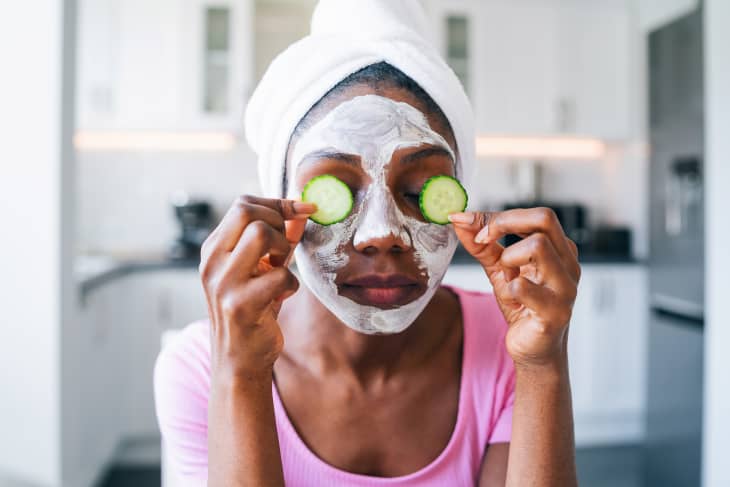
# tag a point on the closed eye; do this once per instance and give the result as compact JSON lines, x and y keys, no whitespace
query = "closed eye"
{"x":412,"y":197}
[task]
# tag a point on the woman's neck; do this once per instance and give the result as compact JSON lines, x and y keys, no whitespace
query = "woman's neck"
{"x":320,"y":342}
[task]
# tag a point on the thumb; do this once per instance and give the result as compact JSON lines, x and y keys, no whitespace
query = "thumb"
{"x":467,"y":226}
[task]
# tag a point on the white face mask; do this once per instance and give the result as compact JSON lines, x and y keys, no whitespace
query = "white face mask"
{"x":372,"y":127}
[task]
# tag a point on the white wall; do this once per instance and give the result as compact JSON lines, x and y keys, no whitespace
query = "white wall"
{"x":124,"y":197}
{"x":35,"y":130}
{"x":716,"y":468}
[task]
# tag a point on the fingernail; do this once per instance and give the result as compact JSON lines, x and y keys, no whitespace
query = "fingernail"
{"x":483,"y":236}
{"x":465,"y":218}
{"x":303,"y":207}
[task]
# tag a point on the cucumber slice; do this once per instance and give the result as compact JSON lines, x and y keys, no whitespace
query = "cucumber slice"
{"x":440,"y":196}
{"x":333,"y":199}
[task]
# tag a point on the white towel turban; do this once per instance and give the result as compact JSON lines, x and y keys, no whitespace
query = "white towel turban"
{"x":346,"y":36}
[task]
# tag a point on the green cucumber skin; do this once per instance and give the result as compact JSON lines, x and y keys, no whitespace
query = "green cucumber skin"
{"x":335,"y":179}
{"x":421,"y":203}
{"x":423,"y":192}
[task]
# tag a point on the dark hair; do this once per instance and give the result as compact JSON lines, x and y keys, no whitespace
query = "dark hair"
{"x":378,"y":75}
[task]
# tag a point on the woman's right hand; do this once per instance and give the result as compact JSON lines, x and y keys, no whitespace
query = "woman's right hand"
{"x":245,"y":277}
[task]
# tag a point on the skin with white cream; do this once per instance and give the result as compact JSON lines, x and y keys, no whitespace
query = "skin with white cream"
{"x":371,"y":127}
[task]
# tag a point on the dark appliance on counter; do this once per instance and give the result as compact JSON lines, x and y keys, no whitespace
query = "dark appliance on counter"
{"x":573,"y":218}
{"x":195,"y":218}
{"x":610,"y":242}
{"x":676,"y":262}
{"x":602,"y":243}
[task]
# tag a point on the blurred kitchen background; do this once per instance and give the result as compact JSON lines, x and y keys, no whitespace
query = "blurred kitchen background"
{"x":124,"y":146}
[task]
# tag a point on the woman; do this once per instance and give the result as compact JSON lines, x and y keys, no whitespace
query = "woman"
{"x":370,"y":373}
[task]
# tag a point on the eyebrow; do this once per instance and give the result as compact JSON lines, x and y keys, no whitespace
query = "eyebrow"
{"x":424,"y":153}
{"x":332,"y":155}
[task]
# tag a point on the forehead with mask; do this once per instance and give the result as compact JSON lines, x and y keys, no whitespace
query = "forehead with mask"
{"x":360,"y":122}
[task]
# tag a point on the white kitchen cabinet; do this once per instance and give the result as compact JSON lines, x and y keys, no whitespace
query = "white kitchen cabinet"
{"x":159,"y":301}
{"x":608,"y":355}
{"x":515,"y":88}
{"x":539,"y":67}
{"x":150,"y":65}
{"x":597,"y":43}
{"x":112,"y":359}
{"x":510,"y":57}
{"x":95,"y":345}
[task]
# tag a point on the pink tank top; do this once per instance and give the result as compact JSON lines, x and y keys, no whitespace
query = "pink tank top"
{"x":486,"y":395}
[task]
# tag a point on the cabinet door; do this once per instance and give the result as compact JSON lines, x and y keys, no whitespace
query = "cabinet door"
{"x":143,"y":302}
{"x":456,"y":25}
{"x":97,"y":34}
{"x":581,"y":346}
{"x":607,"y":353}
{"x":161,"y":301}
{"x":164,"y":65}
{"x":216,"y":75}
{"x":515,"y":88}
{"x":620,"y":366}
{"x":548,"y":66}
{"x":618,"y":307}
{"x":596,"y":48}
{"x":187,"y":298}
{"x":508,"y":66}
{"x":98,"y":381}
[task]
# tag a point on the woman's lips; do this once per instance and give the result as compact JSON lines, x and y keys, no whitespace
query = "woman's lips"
{"x":382,"y":291}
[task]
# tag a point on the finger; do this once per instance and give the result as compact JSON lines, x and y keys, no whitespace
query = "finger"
{"x":287,"y":208}
{"x":470,"y":221}
{"x":531,"y":295}
{"x":541,"y":300}
{"x":526,"y":221}
{"x":487,"y":255}
{"x":294,"y":230}
{"x":537,"y":249}
{"x":572,"y":246}
{"x":242,"y":212}
{"x":246,"y":303}
{"x":269,"y":287}
{"x":572,"y":263}
{"x":258,"y":239}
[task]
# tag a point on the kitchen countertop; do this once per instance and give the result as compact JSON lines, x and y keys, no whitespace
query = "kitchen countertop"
{"x":461,"y":258}
{"x":94,"y":271}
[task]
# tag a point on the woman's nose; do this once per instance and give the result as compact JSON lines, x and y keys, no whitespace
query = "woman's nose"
{"x":381,"y":227}
{"x":389,"y":243}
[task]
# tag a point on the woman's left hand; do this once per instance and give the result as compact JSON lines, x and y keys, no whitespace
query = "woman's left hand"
{"x":535,"y":280}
